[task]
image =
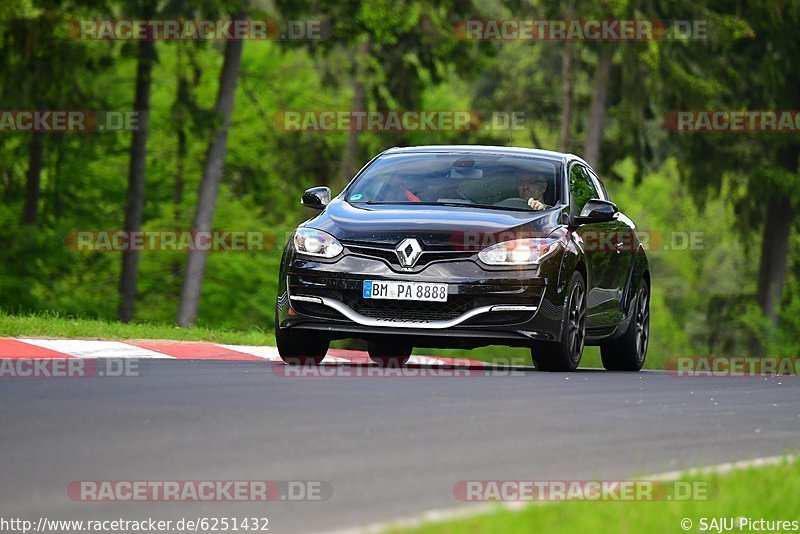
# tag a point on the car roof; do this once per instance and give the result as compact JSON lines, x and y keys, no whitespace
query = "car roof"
{"x":485,"y":149}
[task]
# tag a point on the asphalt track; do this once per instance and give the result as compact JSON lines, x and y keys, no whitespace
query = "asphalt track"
{"x":390,"y":447}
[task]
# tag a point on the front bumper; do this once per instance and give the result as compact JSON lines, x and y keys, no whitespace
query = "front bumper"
{"x":485,"y":306}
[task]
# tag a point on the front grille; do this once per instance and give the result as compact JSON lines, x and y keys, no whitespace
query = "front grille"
{"x":427,"y":257}
{"x":388,"y":255}
{"x":409,"y":310}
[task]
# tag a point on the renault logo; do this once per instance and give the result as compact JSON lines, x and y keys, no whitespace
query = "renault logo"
{"x":408,"y":252}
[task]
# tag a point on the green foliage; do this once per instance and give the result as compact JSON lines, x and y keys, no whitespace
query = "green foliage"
{"x":692,"y":284}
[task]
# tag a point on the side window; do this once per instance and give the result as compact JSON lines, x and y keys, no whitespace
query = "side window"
{"x":581,"y":189}
{"x":600,"y":183}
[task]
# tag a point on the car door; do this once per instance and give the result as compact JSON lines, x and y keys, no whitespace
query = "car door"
{"x":602,"y":257}
{"x":623,"y":240}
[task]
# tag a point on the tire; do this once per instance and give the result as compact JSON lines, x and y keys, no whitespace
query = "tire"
{"x":628,"y":352}
{"x":300,"y":347}
{"x":388,"y":354}
{"x":565,"y":354}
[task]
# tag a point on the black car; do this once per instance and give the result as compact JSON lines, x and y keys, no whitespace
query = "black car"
{"x":466,"y":246}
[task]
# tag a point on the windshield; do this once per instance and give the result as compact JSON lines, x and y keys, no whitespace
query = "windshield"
{"x":480,"y":180}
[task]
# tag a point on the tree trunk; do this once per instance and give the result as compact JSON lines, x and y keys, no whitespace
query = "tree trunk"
{"x":33,"y":185}
{"x":597,"y":109}
{"x":775,"y":243}
{"x":209,"y":187}
{"x":136,"y":178}
{"x":349,"y":164}
{"x":567,"y":71}
{"x":56,"y":181}
{"x":774,"y":249}
{"x":180,"y":161}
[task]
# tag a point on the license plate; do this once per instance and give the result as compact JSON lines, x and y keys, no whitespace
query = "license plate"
{"x":374,"y":289}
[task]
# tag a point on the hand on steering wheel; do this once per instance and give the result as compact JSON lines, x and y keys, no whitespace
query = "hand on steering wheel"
{"x":538,"y":205}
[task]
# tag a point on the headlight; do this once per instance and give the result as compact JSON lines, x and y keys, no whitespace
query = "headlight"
{"x":519,"y":251}
{"x":316,"y":243}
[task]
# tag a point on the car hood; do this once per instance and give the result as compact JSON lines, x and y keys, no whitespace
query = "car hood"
{"x":435,"y":226}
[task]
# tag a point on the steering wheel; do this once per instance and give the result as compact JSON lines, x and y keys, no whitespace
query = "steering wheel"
{"x":513,"y":202}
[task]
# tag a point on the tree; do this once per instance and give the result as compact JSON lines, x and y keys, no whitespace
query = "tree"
{"x":136,"y":173}
{"x":750,"y":63}
{"x":597,"y":109}
{"x":30,"y":213}
{"x":396,"y":50}
{"x":349,"y":163}
{"x":212,"y":176}
{"x":36,"y":59}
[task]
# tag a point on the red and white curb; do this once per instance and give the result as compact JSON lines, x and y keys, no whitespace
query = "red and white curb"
{"x":29,"y":348}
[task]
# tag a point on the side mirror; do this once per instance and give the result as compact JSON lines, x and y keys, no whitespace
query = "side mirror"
{"x":596,"y":211}
{"x":316,"y":197}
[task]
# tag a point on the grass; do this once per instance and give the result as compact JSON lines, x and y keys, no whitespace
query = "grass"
{"x":769,"y":493}
{"x":56,"y":325}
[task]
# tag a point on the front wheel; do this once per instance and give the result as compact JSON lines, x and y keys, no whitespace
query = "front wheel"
{"x":300,"y":347}
{"x":388,"y":354}
{"x":628,"y":352}
{"x":565,"y":355}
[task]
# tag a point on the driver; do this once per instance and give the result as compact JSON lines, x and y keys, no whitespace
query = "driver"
{"x":531,"y":188}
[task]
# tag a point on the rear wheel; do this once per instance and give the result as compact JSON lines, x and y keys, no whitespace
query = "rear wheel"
{"x":300,"y":347}
{"x":628,"y":352}
{"x":565,"y":355}
{"x":388,"y":354}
